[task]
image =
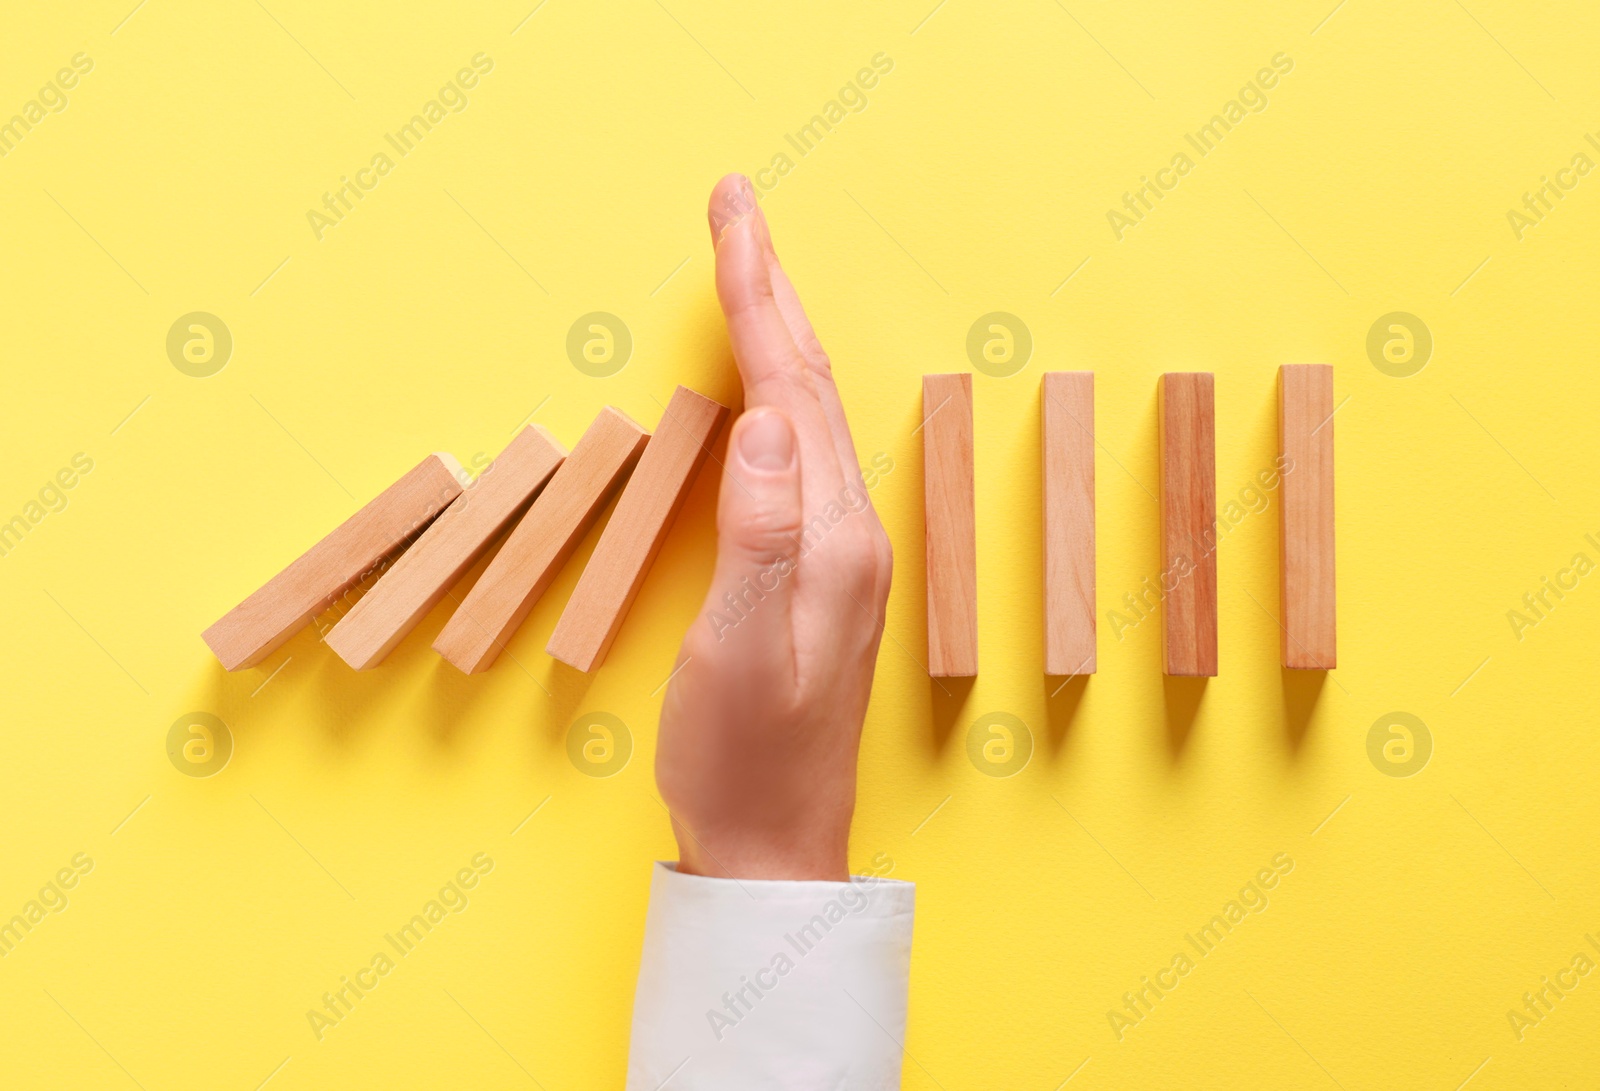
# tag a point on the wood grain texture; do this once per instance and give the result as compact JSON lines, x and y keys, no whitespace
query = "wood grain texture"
{"x":1188,"y":523}
{"x":426,"y":572}
{"x":639,"y":524}
{"x":1305,"y":520}
{"x":541,"y":542}
{"x":951,"y":525}
{"x":261,"y":624}
{"x":1067,"y":456}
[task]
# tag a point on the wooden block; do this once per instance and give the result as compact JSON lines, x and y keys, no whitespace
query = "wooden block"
{"x":1068,"y":457}
{"x":261,"y":624}
{"x":638,"y":526}
{"x":1305,"y":440}
{"x":952,"y":542}
{"x":426,"y":571}
{"x":1189,"y":523}
{"x":541,"y":542}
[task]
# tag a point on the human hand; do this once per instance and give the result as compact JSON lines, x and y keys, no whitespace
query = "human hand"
{"x":756,"y":758}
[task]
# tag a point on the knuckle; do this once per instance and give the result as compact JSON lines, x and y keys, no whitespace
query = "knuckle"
{"x":817,"y":361}
{"x":765,"y":528}
{"x":857,"y":567}
{"x":784,"y":381}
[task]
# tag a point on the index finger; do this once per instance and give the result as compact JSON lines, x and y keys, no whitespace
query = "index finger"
{"x":772,"y":366}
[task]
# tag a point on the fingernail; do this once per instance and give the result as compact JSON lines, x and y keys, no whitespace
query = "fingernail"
{"x":764,"y":233}
{"x":737,"y":206}
{"x":766,"y":442}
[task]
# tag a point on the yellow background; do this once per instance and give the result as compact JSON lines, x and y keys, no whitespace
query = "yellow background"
{"x":978,"y":178}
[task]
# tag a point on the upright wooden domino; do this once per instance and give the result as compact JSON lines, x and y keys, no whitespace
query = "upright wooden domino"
{"x":1188,"y":523}
{"x":1305,"y":442}
{"x":259,"y":625}
{"x":1068,"y":464}
{"x":951,"y":525}
{"x":639,"y":524}
{"x":541,"y":542}
{"x":426,"y":572}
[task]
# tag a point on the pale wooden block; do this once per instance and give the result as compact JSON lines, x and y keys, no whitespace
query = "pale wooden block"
{"x":951,"y":525}
{"x":1068,"y":464}
{"x":1306,"y":569}
{"x":261,"y":624}
{"x":638,"y":525}
{"x":425,"y":573}
{"x":1188,"y":523}
{"x":541,"y":542}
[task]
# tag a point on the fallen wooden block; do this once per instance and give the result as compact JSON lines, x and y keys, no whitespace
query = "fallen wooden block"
{"x":1305,"y":440}
{"x":638,"y":526}
{"x":1068,"y":462}
{"x":426,"y":572}
{"x":951,"y":525}
{"x":261,"y":624}
{"x":1188,"y":523}
{"x":541,"y":542}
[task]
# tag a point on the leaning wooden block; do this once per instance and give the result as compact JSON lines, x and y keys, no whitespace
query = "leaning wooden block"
{"x":1189,"y":523}
{"x":951,"y":530}
{"x":427,"y":571}
{"x":260,"y":624}
{"x":1068,"y":457}
{"x":638,"y":526}
{"x":1305,"y":441}
{"x":541,"y":542}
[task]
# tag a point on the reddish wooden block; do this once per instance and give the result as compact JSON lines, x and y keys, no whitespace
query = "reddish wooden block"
{"x":1189,"y":523}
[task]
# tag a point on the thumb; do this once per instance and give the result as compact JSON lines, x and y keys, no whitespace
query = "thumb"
{"x":758,"y":527}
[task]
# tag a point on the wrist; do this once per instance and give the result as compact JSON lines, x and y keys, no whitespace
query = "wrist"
{"x":763,"y":860}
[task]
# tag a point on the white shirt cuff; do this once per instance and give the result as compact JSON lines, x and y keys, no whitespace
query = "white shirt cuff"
{"x":750,"y":984}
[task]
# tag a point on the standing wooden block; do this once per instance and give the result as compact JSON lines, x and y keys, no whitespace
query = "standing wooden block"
{"x":952,"y":541}
{"x":638,"y":526}
{"x":541,"y":542}
{"x":1189,"y":523}
{"x":261,"y":624}
{"x":426,"y":571}
{"x":1305,"y":440}
{"x":1068,"y":456}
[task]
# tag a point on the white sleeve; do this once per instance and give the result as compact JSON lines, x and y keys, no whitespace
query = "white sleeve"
{"x":771,"y":984}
